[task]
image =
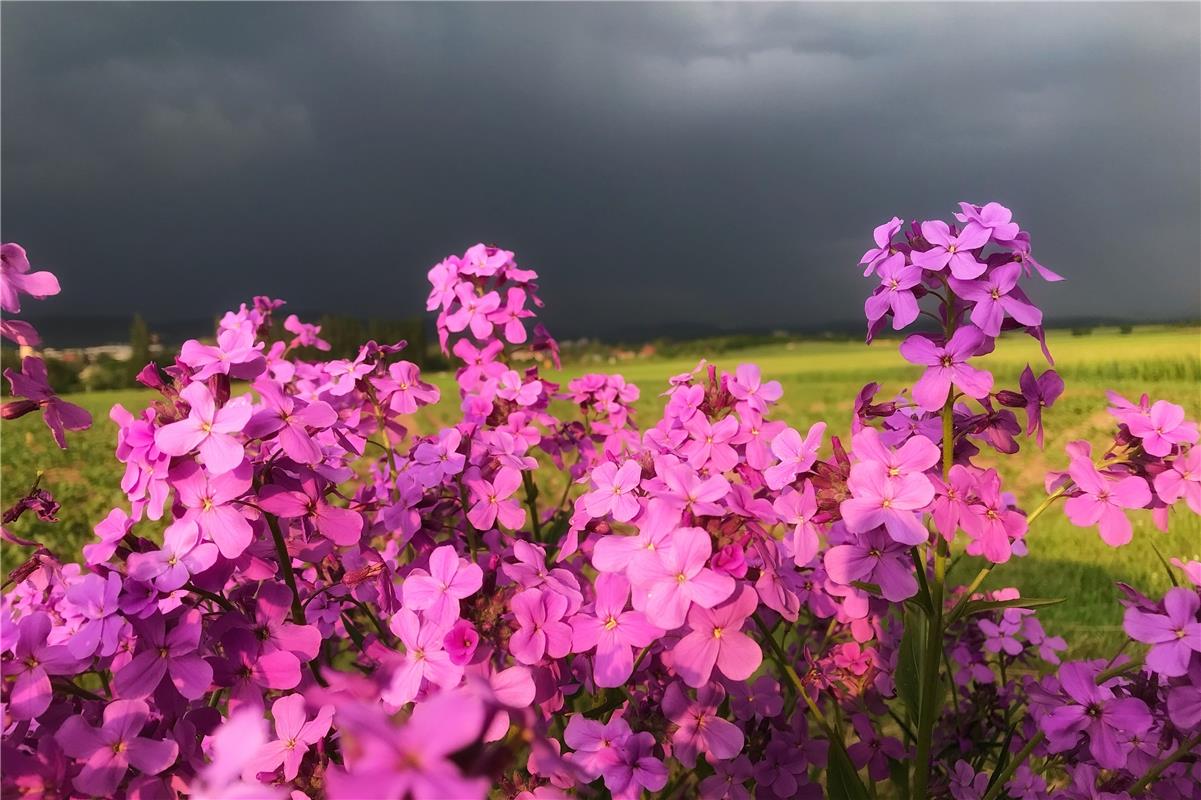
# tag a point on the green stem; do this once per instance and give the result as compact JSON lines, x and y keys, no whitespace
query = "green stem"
{"x":1153,"y":774}
{"x":1000,"y":779}
{"x":531,"y":498}
{"x":285,"y":566}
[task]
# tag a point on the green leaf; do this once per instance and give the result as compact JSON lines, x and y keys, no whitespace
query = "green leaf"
{"x":898,"y":773}
{"x":1166,"y":566}
{"x":909,"y":662}
{"x":984,"y":606}
{"x":842,"y":779}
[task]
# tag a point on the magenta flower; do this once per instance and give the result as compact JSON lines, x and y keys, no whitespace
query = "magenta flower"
{"x":345,"y":375}
{"x":882,"y":236}
{"x":209,"y":500}
{"x":440,"y":458}
{"x":700,"y":729}
{"x":947,"y":365}
{"x":438,"y":592}
{"x":990,"y":523}
{"x":540,"y":626}
{"x":708,"y":445}
{"x":752,"y":393}
{"x":512,"y":314}
{"x":873,"y":750}
{"x":110,"y":750}
{"x":1174,"y":635}
{"x":271,"y":626}
{"x":1102,"y":501}
{"x":915,"y":456}
{"x":687,"y":490}
{"x":425,"y":658}
{"x":96,"y":599}
{"x":290,"y":419}
{"x":796,"y":455}
{"x":949,"y":249}
{"x":1039,"y":393}
{"x":494,"y":500}
{"x":405,"y":390}
{"x":33,"y":384}
{"x":996,"y":294}
{"x":1163,"y":427}
{"x":1094,"y":711}
{"x":161,"y":653}
{"x":678,"y":577}
{"x":613,"y":491}
{"x":895,"y":292}
{"x":596,"y":744}
{"x":798,"y":510}
{"x":1182,"y":480}
{"x":236,"y":355}
{"x":613,"y":631}
{"x":893,"y":502}
{"x":207,"y":429}
{"x":111,"y":530}
{"x":994,"y":217}
{"x":636,"y":769}
{"x":873,"y":557}
{"x":306,"y":335}
{"x":460,"y":642}
{"x":33,"y":663}
{"x":341,"y":526}
{"x":16,"y":279}
{"x":951,"y":500}
{"x":716,"y":639}
{"x":294,"y":733}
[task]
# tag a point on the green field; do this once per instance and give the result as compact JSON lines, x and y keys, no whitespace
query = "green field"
{"x":820,"y":381}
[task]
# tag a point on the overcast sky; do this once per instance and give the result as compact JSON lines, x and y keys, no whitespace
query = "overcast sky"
{"x":684,"y":163}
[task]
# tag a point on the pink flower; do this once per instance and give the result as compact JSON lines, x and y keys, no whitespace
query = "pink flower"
{"x":15,"y":279}
{"x":33,"y":663}
{"x":709,"y":443}
{"x":878,"y":499}
{"x":882,"y":235}
{"x":751,"y":392}
{"x":33,"y":384}
{"x":306,"y":335}
{"x":111,"y":530}
{"x":1101,"y":501}
{"x":1174,"y":636}
{"x":494,"y":500}
{"x":236,"y":355}
{"x":798,"y":509}
{"x":540,"y":626}
{"x":613,"y":631}
{"x":686,"y":489}
{"x":294,"y":733}
{"x":182,"y":556}
{"x":405,"y":390}
{"x":946,"y":365}
{"x":460,"y":642}
{"x":512,"y":314}
{"x":110,"y":750}
{"x":1182,"y":480}
{"x":614,"y":491}
{"x":209,"y":499}
{"x":342,"y":526}
{"x":993,"y":217}
{"x":796,"y":456}
{"x":473,"y":311}
{"x":678,"y":577}
{"x":425,"y":658}
{"x":700,"y":729}
{"x":717,"y":639}
{"x":951,"y":250}
{"x":873,"y":558}
{"x":1163,"y":427}
{"x":208,"y":429}
{"x":96,"y":598}
{"x":990,"y":523}
{"x":438,"y":592}
{"x":596,"y":744}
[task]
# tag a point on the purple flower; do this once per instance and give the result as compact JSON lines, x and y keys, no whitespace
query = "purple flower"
{"x":596,"y":744}
{"x":796,"y":455}
{"x":1182,"y":480}
{"x":872,"y":750}
{"x":16,"y":279}
{"x":110,"y":750}
{"x":33,"y":384}
{"x":236,"y":355}
{"x":208,"y":429}
{"x":716,"y":639}
{"x":873,"y":557}
{"x":612,"y":630}
{"x":96,"y":598}
{"x":947,"y":365}
{"x":33,"y":663}
{"x":798,"y":509}
{"x":1094,"y":711}
{"x":1039,"y":393}
{"x":882,"y":236}
{"x":341,"y":526}
{"x":878,"y":499}
{"x":1174,"y":635}
{"x":1162,"y":427}
{"x":425,"y":658}
{"x":990,"y":523}
{"x":993,"y":217}
{"x":161,"y":653}
{"x":290,"y":420}
{"x":182,"y":556}
{"x":494,"y":500}
{"x":894,"y":293}
{"x":208,"y":499}
{"x":699,"y":727}
{"x":111,"y":530}
{"x":996,"y":295}
{"x":636,"y":769}
{"x":751,"y":392}
{"x":948,"y":249}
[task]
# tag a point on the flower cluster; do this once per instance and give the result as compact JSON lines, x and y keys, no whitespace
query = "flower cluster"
{"x":545,"y":599}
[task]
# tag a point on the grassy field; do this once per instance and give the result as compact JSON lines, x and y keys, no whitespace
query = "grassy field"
{"x":820,"y":381}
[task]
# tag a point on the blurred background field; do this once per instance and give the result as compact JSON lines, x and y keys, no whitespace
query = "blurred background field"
{"x":820,"y":380}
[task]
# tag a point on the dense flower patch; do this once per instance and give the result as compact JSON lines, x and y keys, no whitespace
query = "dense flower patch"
{"x":538,"y":603}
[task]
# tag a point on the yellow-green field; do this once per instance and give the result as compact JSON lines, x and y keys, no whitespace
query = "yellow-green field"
{"x":820,"y":381}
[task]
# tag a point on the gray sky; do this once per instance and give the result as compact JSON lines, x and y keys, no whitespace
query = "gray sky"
{"x":716,"y":164}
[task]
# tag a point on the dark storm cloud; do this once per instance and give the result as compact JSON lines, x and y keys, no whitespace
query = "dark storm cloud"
{"x":705,"y":163}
